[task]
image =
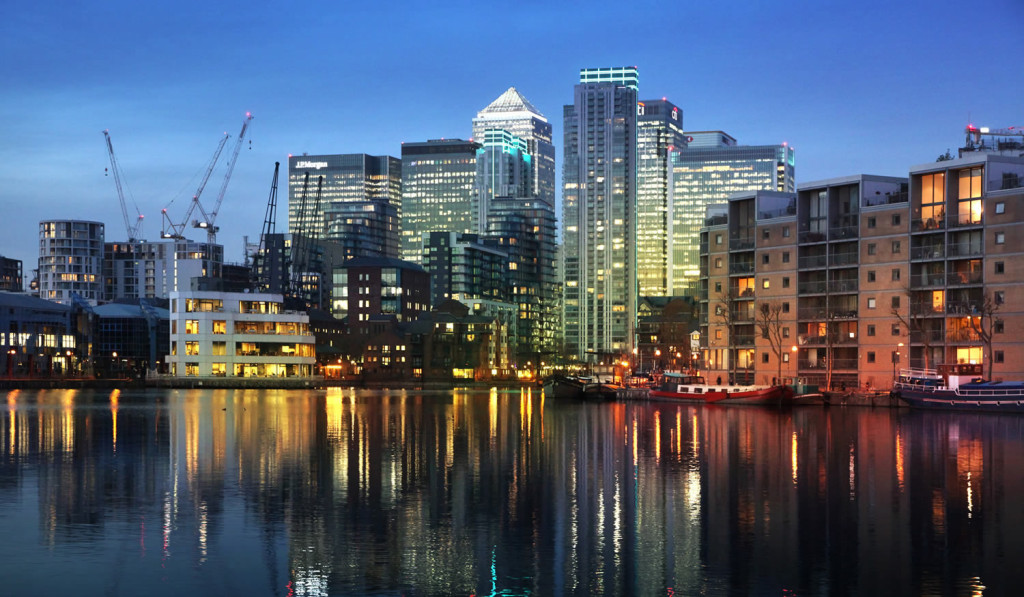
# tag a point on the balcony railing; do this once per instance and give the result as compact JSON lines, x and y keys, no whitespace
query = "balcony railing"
{"x":961,"y":336}
{"x":837,"y":364}
{"x":963,"y":220}
{"x":927,"y":224}
{"x":927,"y":280}
{"x":741,"y":244}
{"x":964,"y":279}
{"x":842,"y":233}
{"x":844,"y":258}
{"x":887,"y":199}
{"x":810,"y":236}
{"x":743,"y":339}
{"x":965,"y":250}
{"x":925,"y":253}
{"x":812,"y":287}
{"x":812,"y":261}
{"x":741,"y":268}
{"x":929,"y":336}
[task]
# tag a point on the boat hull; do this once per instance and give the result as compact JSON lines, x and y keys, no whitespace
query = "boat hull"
{"x":951,"y":400}
{"x":564,"y":388}
{"x":769,"y":396}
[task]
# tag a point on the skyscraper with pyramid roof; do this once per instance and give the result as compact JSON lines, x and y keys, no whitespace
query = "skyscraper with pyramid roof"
{"x":514,"y":113}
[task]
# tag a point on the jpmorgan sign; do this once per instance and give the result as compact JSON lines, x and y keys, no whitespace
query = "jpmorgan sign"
{"x":309,"y":164}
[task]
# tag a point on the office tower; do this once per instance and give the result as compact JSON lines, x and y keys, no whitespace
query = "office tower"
{"x":504,"y":168}
{"x":514,"y":113}
{"x":70,"y":260}
{"x":599,"y":210}
{"x":364,"y":228}
{"x":705,"y":173}
{"x":659,"y":132}
{"x":525,"y":227}
{"x":346,"y":177}
{"x":438,"y":178}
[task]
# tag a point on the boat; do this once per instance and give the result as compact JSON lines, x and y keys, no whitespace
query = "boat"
{"x":599,"y":391}
{"x":565,"y":387}
{"x":693,"y":388}
{"x":957,"y":387}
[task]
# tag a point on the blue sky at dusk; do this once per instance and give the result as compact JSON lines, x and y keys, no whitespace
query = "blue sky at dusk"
{"x":855,"y":87}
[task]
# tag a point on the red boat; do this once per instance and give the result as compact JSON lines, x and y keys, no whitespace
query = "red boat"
{"x":693,"y":388}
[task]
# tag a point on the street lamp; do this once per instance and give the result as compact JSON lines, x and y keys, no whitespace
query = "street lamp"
{"x":896,"y":359}
{"x":657,"y":357}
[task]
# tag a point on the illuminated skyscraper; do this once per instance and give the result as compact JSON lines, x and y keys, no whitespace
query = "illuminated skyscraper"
{"x":599,"y":210}
{"x":347,"y":177}
{"x":705,"y":174}
{"x":504,"y":168}
{"x":438,"y":178}
{"x":659,"y":131}
{"x":514,"y":113}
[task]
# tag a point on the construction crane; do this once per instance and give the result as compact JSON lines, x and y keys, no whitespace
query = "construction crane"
{"x":296,"y":248}
{"x":172,"y":230}
{"x":261,"y":275}
{"x":210,"y":217}
{"x":974,"y":134}
{"x":134,"y":230}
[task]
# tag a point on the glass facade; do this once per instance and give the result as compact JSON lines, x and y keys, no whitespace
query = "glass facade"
{"x":659,"y":132}
{"x":704,"y":176}
{"x":347,"y":177}
{"x":504,"y":168}
{"x":599,"y":209}
{"x":514,"y":113}
{"x":438,"y":178}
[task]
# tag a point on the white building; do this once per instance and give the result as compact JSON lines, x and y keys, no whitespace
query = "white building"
{"x":70,"y":260}
{"x":238,"y":334}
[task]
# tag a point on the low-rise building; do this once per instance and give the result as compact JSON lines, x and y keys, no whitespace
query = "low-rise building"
{"x":238,"y":334}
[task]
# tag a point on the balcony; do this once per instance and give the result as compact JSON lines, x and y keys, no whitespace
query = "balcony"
{"x":927,"y":280}
{"x":843,"y":233}
{"x":964,"y":336}
{"x":741,"y":268}
{"x":818,"y":287}
{"x":843,"y":286}
{"x":844,"y":258}
{"x":741,"y":244}
{"x":837,"y":364}
{"x":812,"y":261}
{"x":927,"y":225}
{"x":743,"y":339}
{"x":810,"y":236}
{"x":927,"y":253}
{"x":886,"y":199}
{"x":965,"y":250}
{"x":964,"y":279}
{"x":703,"y":247}
{"x":931,"y":337}
{"x":964,"y":220}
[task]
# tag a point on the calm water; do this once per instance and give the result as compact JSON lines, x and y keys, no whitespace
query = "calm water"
{"x":500,"y":493}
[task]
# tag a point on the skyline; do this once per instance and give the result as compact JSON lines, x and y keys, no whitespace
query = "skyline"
{"x":894,"y":89}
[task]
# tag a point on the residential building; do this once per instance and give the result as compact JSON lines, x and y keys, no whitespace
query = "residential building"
{"x":513,"y":113}
{"x":71,"y":260}
{"x":599,"y":211}
{"x":40,"y":337}
{"x":11,"y":277}
{"x":238,"y":334}
{"x":659,"y":132}
{"x":153,"y":269}
{"x":366,"y":287}
{"x":705,"y":173}
{"x":438,"y":178}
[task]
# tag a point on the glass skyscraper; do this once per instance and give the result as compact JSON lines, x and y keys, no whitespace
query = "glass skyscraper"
{"x":347,"y":177}
{"x":659,"y":132}
{"x":705,"y":174}
{"x":514,"y":113}
{"x":438,"y":179}
{"x":504,"y":168}
{"x":599,"y":209}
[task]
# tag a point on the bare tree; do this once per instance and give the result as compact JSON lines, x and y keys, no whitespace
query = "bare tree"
{"x":913,"y":321}
{"x":983,"y":324}
{"x":727,"y":317}
{"x":769,"y":323}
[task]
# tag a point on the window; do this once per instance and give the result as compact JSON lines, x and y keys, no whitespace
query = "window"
{"x":871,"y":222}
{"x":764,"y":357}
{"x":872,"y":249}
{"x":718,"y":239}
{"x":895,"y":302}
{"x":1000,"y":208}
{"x":785,"y":357}
{"x":219,"y":349}
{"x":896,"y":274}
{"x":998,"y":327}
{"x":191,"y":369}
{"x":895,"y":329}
{"x":998,"y":356}
{"x":765,"y":258}
{"x":895,"y":247}
{"x":718,"y":312}
{"x":785,"y":332}
{"x":871,"y":329}
{"x":718,"y":334}
{"x":718,"y":287}
{"x":871,"y":276}
{"x":192,"y":348}
{"x":1000,"y":268}
{"x":1000,"y":297}
{"x":219,"y":369}
{"x":765,"y":283}
{"x":785,"y":281}
{"x":871,"y":357}
{"x":1000,"y":238}
{"x":718,"y":263}
{"x":785,"y":307}
{"x":220,"y":327}
{"x":895,"y":219}
{"x":871,"y":303}
{"x":785,"y":232}
{"x":785,"y":257}
{"x":766,"y":234}
{"x":191,"y":326}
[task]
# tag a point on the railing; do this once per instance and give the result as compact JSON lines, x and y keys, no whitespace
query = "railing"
{"x":741,"y":268}
{"x":842,"y":232}
{"x":812,"y":287}
{"x":962,"y":336}
{"x":743,"y":339}
{"x":929,"y":336}
{"x":808,"y":236}
{"x":703,"y":248}
{"x":844,"y":258}
{"x":886,"y":199}
{"x":812,"y":261}
{"x":927,"y":280}
{"x":957,"y":279}
{"x":963,"y":220}
{"x":926,"y":224}
{"x":776,"y":213}
{"x":1012,"y":181}
{"x":741,"y":244}
{"x":745,"y":295}
{"x":960,"y":308}
{"x":965,"y":250}
{"x":921,"y":253}
{"x":837,"y":364}
{"x":839,"y":286}
{"x":717,"y":220}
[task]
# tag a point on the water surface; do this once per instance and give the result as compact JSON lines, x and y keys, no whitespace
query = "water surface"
{"x":347,"y":492}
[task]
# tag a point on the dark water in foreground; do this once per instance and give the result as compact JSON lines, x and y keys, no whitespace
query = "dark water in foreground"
{"x":477,"y":493}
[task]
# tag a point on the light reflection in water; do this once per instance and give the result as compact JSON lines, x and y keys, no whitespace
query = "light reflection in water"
{"x":357,"y":492}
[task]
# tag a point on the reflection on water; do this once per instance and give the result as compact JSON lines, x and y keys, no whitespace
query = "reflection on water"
{"x":482,"y":493}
